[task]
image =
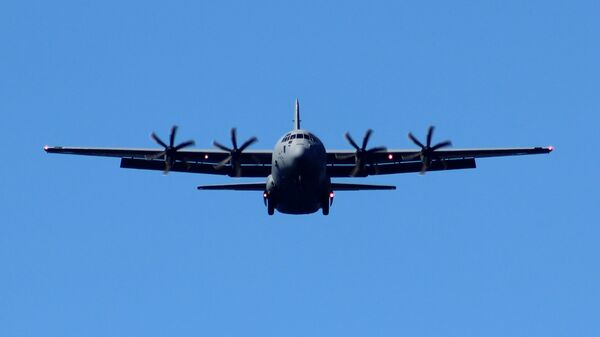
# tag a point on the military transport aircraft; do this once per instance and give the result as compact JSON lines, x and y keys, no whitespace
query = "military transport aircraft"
{"x":299,"y":169}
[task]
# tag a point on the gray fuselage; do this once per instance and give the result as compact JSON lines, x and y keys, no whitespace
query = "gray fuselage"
{"x":298,"y":183}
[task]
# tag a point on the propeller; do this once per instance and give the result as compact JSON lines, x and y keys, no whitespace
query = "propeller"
{"x":362,"y":156}
{"x":170,"y":152}
{"x":427,"y":153}
{"x":234,"y":153}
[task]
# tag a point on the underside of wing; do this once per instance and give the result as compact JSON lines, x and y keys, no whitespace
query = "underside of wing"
{"x":235,"y":187}
{"x":360,"y":187}
{"x":103,"y":151}
{"x":495,"y":152}
{"x":248,"y":171}
{"x":399,"y":167}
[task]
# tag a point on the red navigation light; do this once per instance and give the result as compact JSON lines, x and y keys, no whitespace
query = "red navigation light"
{"x":551,"y":148}
{"x":331,"y":195}
{"x":390,"y":156}
{"x":206,"y":156}
{"x":265,"y":195}
{"x":46,"y":147}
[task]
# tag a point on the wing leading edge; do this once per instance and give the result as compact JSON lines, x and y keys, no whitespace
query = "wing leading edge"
{"x":407,"y":155}
{"x":235,"y":187}
{"x":262,"y":187}
{"x":255,"y":163}
{"x":360,"y":187}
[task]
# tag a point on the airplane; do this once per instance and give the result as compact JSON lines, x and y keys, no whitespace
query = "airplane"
{"x":299,"y":170}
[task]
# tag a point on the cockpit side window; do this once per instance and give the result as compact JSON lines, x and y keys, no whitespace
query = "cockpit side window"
{"x":293,"y":137}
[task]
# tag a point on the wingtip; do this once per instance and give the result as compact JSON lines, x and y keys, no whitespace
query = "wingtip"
{"x":46,"y":148}
{"x":550,"y":148}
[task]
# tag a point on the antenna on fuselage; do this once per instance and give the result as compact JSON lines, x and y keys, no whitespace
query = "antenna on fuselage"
{"x":297,"y":116}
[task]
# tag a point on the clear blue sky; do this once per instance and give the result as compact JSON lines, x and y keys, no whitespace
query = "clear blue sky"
{"x":509,"y":249}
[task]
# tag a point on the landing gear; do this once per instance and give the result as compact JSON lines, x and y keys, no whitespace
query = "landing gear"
{"x":326,"y":204}
{"x":268,"y":199}
{"x":270,"y":207}
{"x":325,"y":208}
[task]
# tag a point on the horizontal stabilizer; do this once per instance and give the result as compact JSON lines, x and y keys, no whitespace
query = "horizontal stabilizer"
{"x":235,"y":187}
{"x":359,"y":187}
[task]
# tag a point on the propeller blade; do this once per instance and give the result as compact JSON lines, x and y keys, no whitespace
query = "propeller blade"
{"x":366,"y":139}
{"x":426,"y":165}
{"x":221,"y":146}
{"x":415,"y":140}
{"x":223,"y":163}
{"x":362,"y":155}
{"x":427,"y":153}
{"x":351,"y":141}
{"x":172,"y":137}
{"x":441,"y":145}
{"x":184,"y":145}
{"x":235,"y":153}
{"x":355,"y":171}
{"x":430,"y":135}
{"x":237,"y":170}
{"x":158,"y":140}
{"x":169,"y":154}
{"x":156,"y":156}
{"x":234,"y":138}
{"x":248,"y":143}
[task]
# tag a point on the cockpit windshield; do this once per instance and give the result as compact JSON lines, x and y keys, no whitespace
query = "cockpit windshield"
{"x":291,"y":136}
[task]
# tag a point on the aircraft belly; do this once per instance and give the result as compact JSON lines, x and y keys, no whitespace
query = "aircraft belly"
{"x":298,"y":199}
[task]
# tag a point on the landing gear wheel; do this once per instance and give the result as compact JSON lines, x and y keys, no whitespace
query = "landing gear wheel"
{"x":270,"y":207}
{"x":325,"y":207}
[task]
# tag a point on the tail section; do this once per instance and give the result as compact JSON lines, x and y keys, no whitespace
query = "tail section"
{"x":297,"y":116}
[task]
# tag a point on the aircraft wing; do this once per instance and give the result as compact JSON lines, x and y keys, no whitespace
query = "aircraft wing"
{"x":342,"y":163}
{"x":257,"y":163}
{"x":263,"y":186}
{"x":254,"y":163}
{"x":235,"y":187}
{"x":360,"y":187}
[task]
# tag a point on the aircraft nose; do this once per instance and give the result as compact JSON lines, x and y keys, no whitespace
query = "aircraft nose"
{"x":298,"y":151}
